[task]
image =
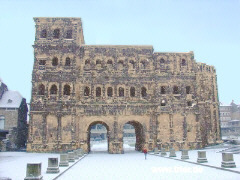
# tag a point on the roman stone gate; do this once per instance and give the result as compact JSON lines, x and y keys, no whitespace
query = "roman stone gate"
{"x":169,"y":98}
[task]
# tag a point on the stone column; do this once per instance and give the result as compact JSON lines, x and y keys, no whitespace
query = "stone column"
{"x":163,"y":152}
{"x":227,"y":160}
{"x":53,"y":165}
{"x":202,"y":157}
{"x":172,"y":153}
{"x":63,"y":160}
{"x":156,"y":150}
{"x":184,"y":154}
{"x":34,"y":171}
{"x":71,"y":157}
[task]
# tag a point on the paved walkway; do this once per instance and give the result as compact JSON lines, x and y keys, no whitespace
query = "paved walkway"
{"x":132,"y":165}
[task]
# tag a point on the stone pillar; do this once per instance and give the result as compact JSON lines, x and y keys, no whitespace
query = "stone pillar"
{"x":71,"y":157}
{"x":184,"y":154}
{"x":34,"y":171}
{"x":63,"y":160}
{"x":156,"y":150}
{"x":202,"y":157}
{"x":163,"y":152}
{"x":53,"y":165}
{"x":227,"y":160}
{"x":75,"y":154}
{"x":79,"y":152}
{"x":172,"y":153}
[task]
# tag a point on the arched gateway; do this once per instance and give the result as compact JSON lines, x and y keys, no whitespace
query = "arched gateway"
{"x":169,"y":98}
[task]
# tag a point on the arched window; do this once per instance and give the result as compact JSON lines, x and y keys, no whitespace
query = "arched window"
{"x":87,"y":62}
{"x":184,"y":63}
{"x":109,"y":62}
{"x":176,"y":90}
{"x":132,"y":91}
{"x":41,"y":89}
{"x":189,"y":103}
{"x":43,"y":33}
{"x":55,"y":61}
{"x":86,"y":91}
{"x":163,"y":89}
{"x":163,"y":103}
{"x":143,"y":65}
{"x":143,"y":92}
{"x":69,"y":34}
{"x":67,"y":62}
{"x":121,"y":92}
{"x":132,"y":64}
{"x":188,"y":90}
{"x":56,"y":33}
{"x":98,"y":62}
{"x":120,"y":64}
{"x":109,"y":91}
{"x":66,"y":90}
{"x":162,"y":61}
{"x":53,"y":89}
{"x":98,"y":92}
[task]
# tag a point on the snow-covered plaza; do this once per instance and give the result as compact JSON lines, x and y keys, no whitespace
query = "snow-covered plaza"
{"x":130,"y":165}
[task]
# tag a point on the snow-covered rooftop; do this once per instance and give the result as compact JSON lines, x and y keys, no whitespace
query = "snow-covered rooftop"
{"x":11,"y":99}
{"x":224,"y":104}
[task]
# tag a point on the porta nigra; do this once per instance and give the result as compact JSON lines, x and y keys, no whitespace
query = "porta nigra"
{"x":169,"y":98}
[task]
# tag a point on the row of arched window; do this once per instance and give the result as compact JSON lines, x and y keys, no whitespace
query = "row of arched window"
{"x":55,"y":61}
{"x":143,"y":63}
{"x":56,"y":34}
{"x":121,"y":91}
{"x":54,"y":90}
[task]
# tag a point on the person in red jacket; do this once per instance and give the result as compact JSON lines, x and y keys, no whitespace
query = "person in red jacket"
{"x":145,"y":153}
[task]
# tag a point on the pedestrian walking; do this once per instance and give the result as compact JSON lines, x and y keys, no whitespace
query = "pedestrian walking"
{"x":145,"y":153}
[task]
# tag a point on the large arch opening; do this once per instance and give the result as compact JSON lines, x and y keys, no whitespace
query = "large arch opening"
{"x":133,"y":136}
{"x":98,"y":137}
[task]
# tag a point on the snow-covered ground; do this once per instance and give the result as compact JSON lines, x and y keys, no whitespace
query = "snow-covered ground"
{"x":130,"y":165}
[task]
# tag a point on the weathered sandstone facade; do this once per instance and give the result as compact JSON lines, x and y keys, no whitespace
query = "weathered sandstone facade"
{"x":170,"y":99}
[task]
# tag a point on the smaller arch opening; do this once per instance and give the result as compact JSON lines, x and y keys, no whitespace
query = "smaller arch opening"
{"x":176,"y":90}
{"x":67,"y":61}
{"x":121,"y":92}
{"x":143,"y":64}
{"x":188,"y":90}
{"x":86,"y":91}
{"x":144,"y":92}
{"x":41,"y":89}
{"x":69,"y":34}
{"x":109,"y":62}
{"x":98,"y":92}
{"x":162,"y":61}
{"x":55,"y":61}
{"x":163,"y":89}
{"x":132,"y":64}
{"x":56,"y":33}
{"x":110,"y":91}
{"x":43,"y":33}
{"x":184,"y":63}
{"x":189,"y":103}
{"x":53,"y":90}
{"x":87,"y":62}
{"x":132,"y":91}
{"x":66,"y":90}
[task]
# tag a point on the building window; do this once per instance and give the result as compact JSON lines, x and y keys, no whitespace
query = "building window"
{"x":42,"y":62}
{"x":98,"y":92}
{"x":41,"y":90}
{"x":110,"y":91}
{"x":67,"y":62}
{"x":132,"y":64}
{"x":55,"y":61}
{"x":109,"y":62}
{"x":132,"y":91}
{"x":2,"y":121}
{"x":184,"y":62}
{"x":87,"y":62}
{"x":162,"y":61}
{"x":189,"y":103}
{"x":188,"y":90}
{"x":163,"y":103}
{"x":53,"y":89}
{"x":176,"y":90}
{"x":98,"y":62}
{"x":143,"y":65}
{"x":56,"y":33}
{"x":86,"y":91}
{"x":144,"y":92}
{"x":69,"y":34}
{"x":163,"y":89}
{"x":66,"y":90}
{"x":43,"y":33}
{"x":121,"y":92}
